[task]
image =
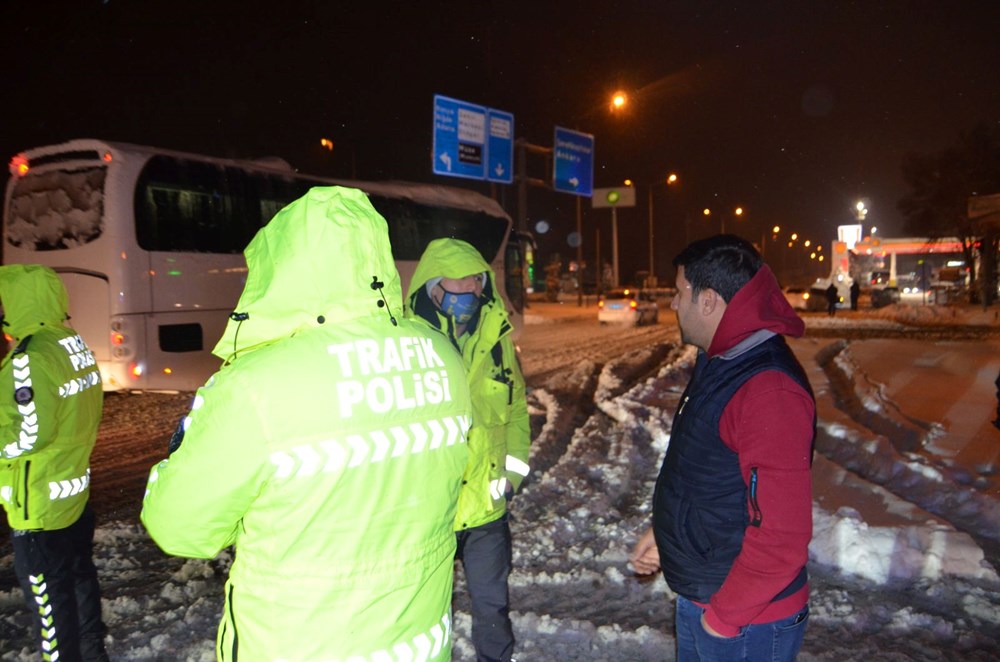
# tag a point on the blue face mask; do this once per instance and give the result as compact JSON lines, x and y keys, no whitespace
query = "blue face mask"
{"x":459,"y":306}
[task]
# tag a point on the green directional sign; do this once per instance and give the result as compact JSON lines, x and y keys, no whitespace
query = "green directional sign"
{"x":616,"y":196}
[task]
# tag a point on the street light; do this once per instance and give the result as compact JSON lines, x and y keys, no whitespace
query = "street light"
{"x":861,"y":210}
{"x":737,"y":212}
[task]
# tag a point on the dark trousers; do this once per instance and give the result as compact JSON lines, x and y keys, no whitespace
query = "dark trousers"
{"x":485,"y":552}
{"x":57,"y":575}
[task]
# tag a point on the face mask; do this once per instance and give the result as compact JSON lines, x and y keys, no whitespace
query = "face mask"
{"x":460,"y":307}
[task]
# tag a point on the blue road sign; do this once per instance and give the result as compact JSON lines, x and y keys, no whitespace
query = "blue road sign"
{"x":500,"y":146}
{"x":459,"y":148}
{"x":573,"y":165}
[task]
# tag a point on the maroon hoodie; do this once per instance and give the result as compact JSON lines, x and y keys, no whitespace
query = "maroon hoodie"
{"x":769,"y":423}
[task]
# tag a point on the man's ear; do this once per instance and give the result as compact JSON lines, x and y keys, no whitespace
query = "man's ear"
{"x":710,"y":300}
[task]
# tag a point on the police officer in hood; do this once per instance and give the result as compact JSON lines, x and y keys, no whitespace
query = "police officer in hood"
{"x":50,"y":408}
{"x":329,"y":450}
{"x":454,"y":292}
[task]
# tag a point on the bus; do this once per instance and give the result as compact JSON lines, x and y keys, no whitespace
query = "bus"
{"x":149,"y":243}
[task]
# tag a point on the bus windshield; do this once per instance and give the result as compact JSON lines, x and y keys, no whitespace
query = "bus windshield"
{"x":57,"y":209}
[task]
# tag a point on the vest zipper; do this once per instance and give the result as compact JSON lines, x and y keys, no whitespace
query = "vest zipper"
{"x":756,"y":517}
{"x":683,"y":402}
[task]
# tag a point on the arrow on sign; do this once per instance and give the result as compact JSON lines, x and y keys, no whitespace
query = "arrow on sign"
{"x":574,"y":181}
{"x":499,"y":170}
{"x":446,"y":160}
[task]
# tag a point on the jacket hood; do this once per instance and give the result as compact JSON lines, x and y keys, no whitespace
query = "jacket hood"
{"x":32,"y":296}
{"x":448,"y":258}
{"x":757,"y":306}
{"x":314,"y":263}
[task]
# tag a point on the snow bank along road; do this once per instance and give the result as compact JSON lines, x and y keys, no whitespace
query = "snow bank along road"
{"x":906,"y":526}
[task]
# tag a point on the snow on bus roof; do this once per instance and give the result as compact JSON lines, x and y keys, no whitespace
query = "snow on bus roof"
{"x":429,"y":194}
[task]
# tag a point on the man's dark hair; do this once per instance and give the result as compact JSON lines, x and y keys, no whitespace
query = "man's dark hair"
{"x":724,"y":263}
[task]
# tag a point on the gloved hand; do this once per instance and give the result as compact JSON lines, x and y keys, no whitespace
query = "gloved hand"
{"x":176,"y":438}
{"x":508,"y":491}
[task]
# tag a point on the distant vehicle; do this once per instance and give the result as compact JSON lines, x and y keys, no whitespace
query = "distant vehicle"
{"x":149,"y":244}
{"x":884,"y":296}
{"x":799,"y":298}
{"x":628,"y":305}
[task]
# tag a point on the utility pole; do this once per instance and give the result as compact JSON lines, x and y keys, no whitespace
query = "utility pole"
{"x":523,"y":181}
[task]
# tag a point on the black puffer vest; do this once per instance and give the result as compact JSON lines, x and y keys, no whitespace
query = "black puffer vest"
{"x":701,"y":506}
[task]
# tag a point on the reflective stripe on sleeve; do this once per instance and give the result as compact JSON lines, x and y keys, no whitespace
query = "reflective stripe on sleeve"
{"x":497,"y":488}
{"x":517,"y":466}
{"x":29,"y":417}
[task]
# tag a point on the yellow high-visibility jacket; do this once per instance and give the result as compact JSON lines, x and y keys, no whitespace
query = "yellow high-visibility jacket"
{"x":50,"y":404}
{"x":329,"y":450}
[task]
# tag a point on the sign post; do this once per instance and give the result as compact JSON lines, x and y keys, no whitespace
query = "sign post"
{"x":614,"y":198}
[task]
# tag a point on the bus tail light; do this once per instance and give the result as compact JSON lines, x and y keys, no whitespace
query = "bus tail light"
{"x":135,"y":369}
{"x":19,"y":165}
{"x":633,"y":304}
{"x":121,"y":338}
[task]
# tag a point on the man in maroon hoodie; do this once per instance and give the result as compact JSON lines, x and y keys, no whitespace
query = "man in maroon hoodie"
{"x":732,"y":508}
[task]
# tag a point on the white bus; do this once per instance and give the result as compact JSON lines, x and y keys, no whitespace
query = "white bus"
{"x":149,"y":243}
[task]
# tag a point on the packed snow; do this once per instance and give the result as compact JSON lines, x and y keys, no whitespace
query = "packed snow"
{"x":906,"y":542}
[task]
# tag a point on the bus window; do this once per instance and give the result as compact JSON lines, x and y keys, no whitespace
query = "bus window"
{"x":412,"y":226}
{"x":192,"y":206}
{"x":269,"y":194}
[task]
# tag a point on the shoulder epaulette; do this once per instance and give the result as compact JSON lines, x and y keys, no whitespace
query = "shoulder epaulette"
{"x":22,"y":346}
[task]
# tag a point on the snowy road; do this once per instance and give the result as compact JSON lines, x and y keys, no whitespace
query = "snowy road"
{"x":893,"y":578}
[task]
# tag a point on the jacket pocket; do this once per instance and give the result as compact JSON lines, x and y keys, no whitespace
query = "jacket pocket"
{"x":497,"y":396}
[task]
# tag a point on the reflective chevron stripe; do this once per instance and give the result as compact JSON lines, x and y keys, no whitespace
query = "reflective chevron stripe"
{"x":517,"y":466}
{"x":332,"y":455}
{"x":425,"y":646}
{"x":29,"y":417}
{"x":50,"y":645}
{"x":62,"y":489}
{"x":497,"y":488}
{"x":79,"y":384}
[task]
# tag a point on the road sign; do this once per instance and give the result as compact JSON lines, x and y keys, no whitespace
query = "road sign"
{"x":573,"y":165}
{"x":616,"y":196}
{"x":500,"y":146}
{"x":459,"y":138}
{"x":472,"y":141}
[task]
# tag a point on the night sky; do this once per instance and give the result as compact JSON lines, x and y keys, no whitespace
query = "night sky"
{"x":794,"y":110}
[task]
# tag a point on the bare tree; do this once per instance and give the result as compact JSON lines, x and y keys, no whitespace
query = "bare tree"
{"x":942,"y":183}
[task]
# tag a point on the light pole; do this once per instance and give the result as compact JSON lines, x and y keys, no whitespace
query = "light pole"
{"x":671,"y":180}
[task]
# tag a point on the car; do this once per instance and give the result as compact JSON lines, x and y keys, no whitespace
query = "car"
{"x":805,"y":298}
{"x":884,"y":296}
{"x":628,"y":305}
{"x":798,"y":297}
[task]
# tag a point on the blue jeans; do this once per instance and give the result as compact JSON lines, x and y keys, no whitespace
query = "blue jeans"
{"x":778,"y":641}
